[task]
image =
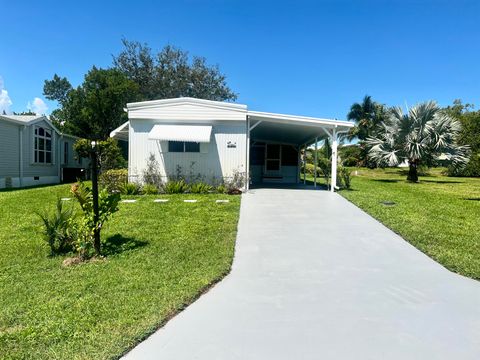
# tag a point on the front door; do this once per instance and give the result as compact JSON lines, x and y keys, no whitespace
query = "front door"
{"x":273,"y":163}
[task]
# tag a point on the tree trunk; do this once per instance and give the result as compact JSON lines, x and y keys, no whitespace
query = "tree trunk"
{"x":96,"y":231}
{"x":412,"y":171}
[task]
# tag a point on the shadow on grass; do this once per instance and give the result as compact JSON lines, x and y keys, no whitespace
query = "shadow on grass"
{"x":387,"y":180}
{"x":117,"y":244}
{"x":472,"y":199}
{"x":441,"y":181}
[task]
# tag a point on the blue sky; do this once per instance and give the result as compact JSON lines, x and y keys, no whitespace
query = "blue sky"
{"x":303,"y":57}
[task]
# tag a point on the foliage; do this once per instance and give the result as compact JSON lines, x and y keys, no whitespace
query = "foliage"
{"x":350,"y":155}
{"x":107,"y":205}
{"x":57,"y":89}
{"x":58,"y":228}
{"x":368,"y":117}
{"x":235,"y":183}
{"x":108,"y":152}
{"x":308,"y":169}
{"x":200,"y":188}
{"x":151,"y":173}
{"x":102,"y":308}
{"x":344,"y":177}
{"x":114,"y":179}
{"x":175,"y":187}
{"x":130,"y":189}
{"x":469,"y":135}
{"x":171,"y":73}
{"x":95,"y":108}
{"x":149,"y":189}
{"x":424,"y":135}
{"x":221,"y":189}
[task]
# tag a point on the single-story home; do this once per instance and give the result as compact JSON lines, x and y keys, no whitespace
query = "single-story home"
{"x":34,"y":152}
{"x":214,"y":141}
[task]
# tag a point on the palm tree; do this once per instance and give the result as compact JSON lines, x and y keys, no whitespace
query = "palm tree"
{"x":425,"y":134}
{"x":367,"y":116}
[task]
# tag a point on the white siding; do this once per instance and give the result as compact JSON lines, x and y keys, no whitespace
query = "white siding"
{"x":191,"y":112}
{"x":214,"y":162}
{"x":9,"y":149}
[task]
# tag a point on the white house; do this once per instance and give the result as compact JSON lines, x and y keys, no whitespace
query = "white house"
{"x":34,"y":152}
{"x":212,"y":140}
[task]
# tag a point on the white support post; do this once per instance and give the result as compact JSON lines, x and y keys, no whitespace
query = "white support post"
{"x":304,"y":163}
{"x":316,"y":160}
{"x":334,"y":161}
{"x":247,"y":157}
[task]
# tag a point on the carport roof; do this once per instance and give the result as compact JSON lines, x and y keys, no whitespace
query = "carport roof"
{"x":292,"y":129}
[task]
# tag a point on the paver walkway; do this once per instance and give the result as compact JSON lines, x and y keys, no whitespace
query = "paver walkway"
{"x":314,"y":277}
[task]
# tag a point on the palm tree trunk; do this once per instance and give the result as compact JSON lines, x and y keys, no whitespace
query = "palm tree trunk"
{"x":412,"y":171}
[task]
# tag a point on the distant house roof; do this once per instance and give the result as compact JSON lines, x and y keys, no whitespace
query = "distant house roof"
{"x":27,"y":120}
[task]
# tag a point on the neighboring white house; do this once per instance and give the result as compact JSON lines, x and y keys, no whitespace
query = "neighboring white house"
{"x":34,"y":152}
{"x":212,"y":140}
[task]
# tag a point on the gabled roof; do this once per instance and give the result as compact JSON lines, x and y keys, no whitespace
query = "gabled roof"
{"x":185,"y":100}
{"x":28,"y":120}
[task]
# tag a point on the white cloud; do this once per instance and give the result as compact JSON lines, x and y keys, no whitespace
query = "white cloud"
{"x":5,"y":101}
{"x":38,"y":106}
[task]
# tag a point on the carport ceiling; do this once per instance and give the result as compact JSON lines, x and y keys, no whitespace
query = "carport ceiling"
{"x":286,"y":133}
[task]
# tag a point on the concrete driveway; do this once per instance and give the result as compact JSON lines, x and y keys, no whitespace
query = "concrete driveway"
{"x":314,"y":277}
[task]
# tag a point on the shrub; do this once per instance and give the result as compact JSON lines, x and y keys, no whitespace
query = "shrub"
{"x":309,"y":169}
{"x":149,"y":189}
{"x":175,"y":187}
{"x":472,"y":169}
{"x":59,"y":229}
{"x":234,"y":184}
{"x":151,"y":174}
{"x":130,"y":189}
{"x":221,"y":189}
{"x":114,"y":179}
{"x":344,"y":177}
{"x":350,"y":161}
{"x":200,"y":188}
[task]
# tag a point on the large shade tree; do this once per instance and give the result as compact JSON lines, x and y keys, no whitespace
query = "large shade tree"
{"x":171,"y":73}
{"x":425,"y":134}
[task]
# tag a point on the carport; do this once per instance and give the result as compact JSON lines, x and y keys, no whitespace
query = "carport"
{"x":276,"y":142}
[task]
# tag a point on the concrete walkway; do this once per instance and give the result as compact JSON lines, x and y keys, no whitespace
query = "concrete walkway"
{"x":314,"y":277}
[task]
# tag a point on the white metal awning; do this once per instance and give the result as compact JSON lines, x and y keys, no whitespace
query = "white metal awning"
{"x":193,"y":133}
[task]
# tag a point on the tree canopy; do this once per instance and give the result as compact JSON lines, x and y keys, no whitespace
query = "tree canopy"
{"x":171,"y":73}
{"x":95,"y":108}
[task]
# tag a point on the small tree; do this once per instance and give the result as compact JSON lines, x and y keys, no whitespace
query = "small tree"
{"x":424,"y":135}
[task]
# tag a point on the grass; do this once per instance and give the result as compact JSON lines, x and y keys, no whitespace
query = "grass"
{"x":440,"y":215}
{"x":160,"y":257}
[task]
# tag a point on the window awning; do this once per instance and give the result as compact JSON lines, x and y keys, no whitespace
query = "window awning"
{"x":193,"y":133}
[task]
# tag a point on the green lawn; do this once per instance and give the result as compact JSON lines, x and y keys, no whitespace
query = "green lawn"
{"x":160,"y":258}
{"x":440,"y":215}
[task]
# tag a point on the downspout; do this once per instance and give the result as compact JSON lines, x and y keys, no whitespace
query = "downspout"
{"x":20,"y":165}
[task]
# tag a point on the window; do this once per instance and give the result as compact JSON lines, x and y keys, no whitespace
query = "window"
{"x":183,"y":146}
{"x":65,"y":152}
{"x":42,"y":150}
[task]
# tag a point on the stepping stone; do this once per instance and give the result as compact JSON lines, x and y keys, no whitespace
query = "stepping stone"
{"x":160,"y":200}
{"x":66,"y":199}
{"x":222,"y":201}
{"x":129,"y":201}
{"x":190,"y":201}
